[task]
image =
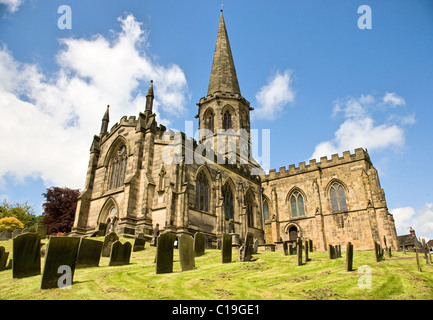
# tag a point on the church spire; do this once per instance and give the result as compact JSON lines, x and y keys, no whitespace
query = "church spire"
{"x":105,"y":120}
{"x":149,"y":98}
{"x":223,"y":74}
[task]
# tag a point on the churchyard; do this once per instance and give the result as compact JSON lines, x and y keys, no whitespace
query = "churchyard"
{"x":231,"y":273}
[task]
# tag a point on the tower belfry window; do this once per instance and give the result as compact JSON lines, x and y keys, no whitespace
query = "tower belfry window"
{"x":227,"y":120}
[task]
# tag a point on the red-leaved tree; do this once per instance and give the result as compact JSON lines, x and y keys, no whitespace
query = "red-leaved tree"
{"x":59,"y":209}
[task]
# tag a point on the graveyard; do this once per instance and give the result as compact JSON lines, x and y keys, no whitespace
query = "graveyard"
{"x":263,"y":275}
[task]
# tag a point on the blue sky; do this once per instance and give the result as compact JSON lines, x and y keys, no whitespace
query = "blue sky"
{"x":320,"y":83}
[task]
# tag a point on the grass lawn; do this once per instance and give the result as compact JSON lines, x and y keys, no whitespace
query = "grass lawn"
{"x":271,"y":276}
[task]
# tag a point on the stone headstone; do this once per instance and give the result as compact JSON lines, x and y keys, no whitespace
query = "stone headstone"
{"x":349,"y":257}
{"x":139,"y":244}
{"x":25,"y":231}
{"x":248,"y":248}
{"x":15,"y":233}
{"x":5,"y":235}
{"x":89,"y":253}
{"x":199,"y":244}
{"x":299,"y":251}
{"x":256,"y":246}
{"x":26,"y":255}
{"x":108,"y":241}
{"x":120,"y":253}
{"x":164,"y":253}
{"x":41,"y":230}
{"x":307,"y":244}
{"x":60,"y":262}
{"x":331,"y":252}
{"x":3,"y":258}
{"x":186,"y":252}
{"x":291,"y":250}
{"x":286,"y":249}
{"x":310,"y":244}
{"x":226,"y":248}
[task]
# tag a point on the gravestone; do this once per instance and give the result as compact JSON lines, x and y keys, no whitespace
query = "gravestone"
{"x":285,"y":247}
{"x":25,"y":231}
{"x":307,"y":244}
{"x":41,"y":230}
{"x":226,"y":248}
{"x":164,"y":253}
{"x":417,"y":260}
{"x":108,"y":241}
{"x":310,"y":244}
{"x":378,"y":252}
{"x":3,"y":258}
{"x":89,"y":253}
{"x":332,"y":253}
{"x":5,"y":235}
{"x":15,"y":233}
{"x":248,"y":248}
{"x":299,"y":251}
{"x":120,"y":253}
{"x":60,"y":262}
{"x":26,"y":254}
{"x":199,"y":244}
{"x":349,"y":257}
{"x":139,"y":244}
{"x":256,"y":246}
{"x":186,"y":252}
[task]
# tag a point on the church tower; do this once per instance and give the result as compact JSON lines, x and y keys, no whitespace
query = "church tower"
{"x":224,"y":114}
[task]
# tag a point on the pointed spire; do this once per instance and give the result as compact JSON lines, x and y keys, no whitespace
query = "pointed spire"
{"x":105,"y":120}
{"x":223,"y":74}
{"x":149,"y":99}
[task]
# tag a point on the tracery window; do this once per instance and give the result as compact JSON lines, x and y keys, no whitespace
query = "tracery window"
{"x":228,"y":202}
{"x":227,"y":120}
{"x":117,"y":168}
{"x":202,"y":192}
{"x":266,"y":210}
{"x":297,"y":208}
{"x":249,"y":203}
{"x":338,"y":197}
{"x":209,"y":120}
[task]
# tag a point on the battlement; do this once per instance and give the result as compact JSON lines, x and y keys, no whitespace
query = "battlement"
{"x":360,"y":154}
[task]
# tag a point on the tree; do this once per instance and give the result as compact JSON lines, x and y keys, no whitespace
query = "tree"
{"x":59,"y":209}
{"x":10,"y":224}
{"x":22,"y":211}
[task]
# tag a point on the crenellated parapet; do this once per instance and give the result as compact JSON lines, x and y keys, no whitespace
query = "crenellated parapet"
{"x":313,"y":165}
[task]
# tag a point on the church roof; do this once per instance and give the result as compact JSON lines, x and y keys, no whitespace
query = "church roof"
{"x":223,"y":74}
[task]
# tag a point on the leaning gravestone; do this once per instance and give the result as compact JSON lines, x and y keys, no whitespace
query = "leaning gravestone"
{"x":285,"y":247}
{"x":186,"y":252}
{"x":60,"y":262}
{"x":199,"y":243}
{"x":256,"y":246}
{"x":139,"y":244}
{"x":164,"y":253}
{"x":108,"y":241}
{"x":226,"y":248}
{"x":248,"y":247}
{"x":3,"y":258}
{"x":120,"y":253}
{"x":89,"y":253}
{"x":5,"y":235}
{"x":26,"y":255}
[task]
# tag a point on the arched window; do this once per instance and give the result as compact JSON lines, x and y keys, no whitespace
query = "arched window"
{"x":209,"y":120}
{"x":244,"y":119}
{"x":117,"y":168}
{"x":228,"y":202}
{"x":297,"y":204}
{"x":227,"y":120}
{"x":249,"y":203}
{"x":202,"y":192}
{"x":338,"y":198}
{"x":266,"y":210}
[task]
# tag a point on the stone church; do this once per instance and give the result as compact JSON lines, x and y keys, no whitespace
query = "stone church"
{"x":141,"y":174}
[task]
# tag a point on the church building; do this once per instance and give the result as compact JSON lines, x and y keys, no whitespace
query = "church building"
{"x":141,"y":174}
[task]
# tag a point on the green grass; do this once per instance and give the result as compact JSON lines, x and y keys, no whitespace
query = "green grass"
{"x":271,"y":276}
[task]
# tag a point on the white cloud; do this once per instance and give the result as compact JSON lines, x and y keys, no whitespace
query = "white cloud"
{"x":274,"y":96}
{"x":393,"y":99}
{"x":12,"y":5}
{"x":49,"y":120}
{"x":420,"y":220}
{"x":360,"y":129}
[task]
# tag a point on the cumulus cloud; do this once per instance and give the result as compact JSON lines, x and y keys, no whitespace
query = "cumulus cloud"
{"x":275,"y":95}
{"x":50,"y":119}
{"x":420,"y":220}
{"x":360,"y":128}
{"x":12,"y":5}
{"x":393,"y":99}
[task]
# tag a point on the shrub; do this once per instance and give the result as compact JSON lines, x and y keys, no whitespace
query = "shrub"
{"x":10,"y":224}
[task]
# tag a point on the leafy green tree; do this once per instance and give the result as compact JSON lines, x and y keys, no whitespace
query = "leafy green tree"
{"x":22,"y":211}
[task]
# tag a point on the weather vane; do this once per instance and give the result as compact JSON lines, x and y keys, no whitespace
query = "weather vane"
{"x":221,"y":7}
